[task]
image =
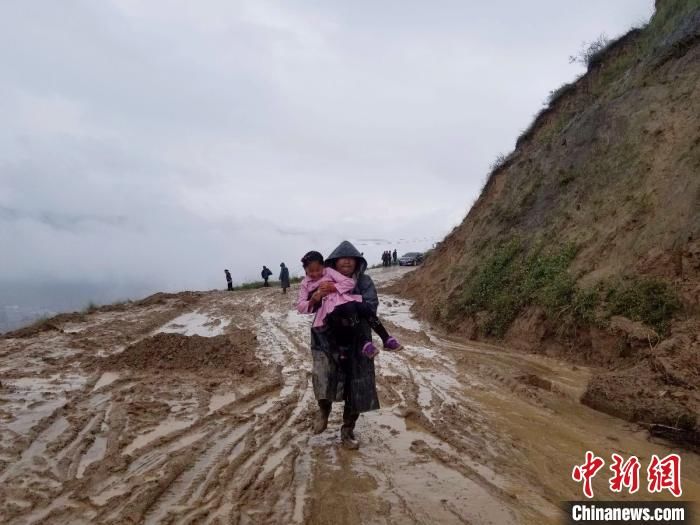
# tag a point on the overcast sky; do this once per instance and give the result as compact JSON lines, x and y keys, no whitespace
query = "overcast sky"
{"x":161,"y":141}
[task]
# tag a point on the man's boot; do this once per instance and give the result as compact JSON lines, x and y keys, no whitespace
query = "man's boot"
{"x":347,"y":433}
{"x":321,"y":419}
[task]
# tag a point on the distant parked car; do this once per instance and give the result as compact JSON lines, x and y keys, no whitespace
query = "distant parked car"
{"x":411,"y":259}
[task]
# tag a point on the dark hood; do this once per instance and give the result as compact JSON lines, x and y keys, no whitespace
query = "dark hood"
{"x":346,"y":249}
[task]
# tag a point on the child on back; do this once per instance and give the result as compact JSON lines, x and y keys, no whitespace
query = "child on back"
{"x":339,"y":307}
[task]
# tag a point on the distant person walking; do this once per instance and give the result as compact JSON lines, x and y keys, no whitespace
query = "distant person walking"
{"x":284,"y":277}
{"x":395,"y":257}
{"x":229,"y":281}
{"x":265,"y":274}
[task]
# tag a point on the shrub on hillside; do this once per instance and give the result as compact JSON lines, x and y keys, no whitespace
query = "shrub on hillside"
{"x":90,"y":308}
{"x":513,"y":278}
{"x":562,"y":90}
{"x":591,"y":53}
{"x":498,"y":162}
{"x":648,"y":300}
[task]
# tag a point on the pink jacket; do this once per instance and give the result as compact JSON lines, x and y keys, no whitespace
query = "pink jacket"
{"x":343,"y":284}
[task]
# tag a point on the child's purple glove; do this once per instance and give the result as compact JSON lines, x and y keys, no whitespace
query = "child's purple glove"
{"x":369,"y":350}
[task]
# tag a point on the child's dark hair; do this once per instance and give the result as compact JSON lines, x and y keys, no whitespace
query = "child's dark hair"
{"x":310,"y":257}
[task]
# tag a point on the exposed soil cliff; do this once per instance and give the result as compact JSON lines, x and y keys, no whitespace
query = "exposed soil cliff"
{"x":585,"y":240}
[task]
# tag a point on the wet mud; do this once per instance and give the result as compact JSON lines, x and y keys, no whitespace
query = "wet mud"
{"x":197,"y":409}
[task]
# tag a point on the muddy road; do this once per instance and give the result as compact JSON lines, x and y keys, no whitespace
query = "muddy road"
{"x":467,"y":434}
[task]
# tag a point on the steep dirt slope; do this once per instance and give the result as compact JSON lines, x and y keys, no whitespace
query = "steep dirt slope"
{"x":585,"y":240}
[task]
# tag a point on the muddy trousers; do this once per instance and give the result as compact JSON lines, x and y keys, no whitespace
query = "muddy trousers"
{"x":349,"y":418}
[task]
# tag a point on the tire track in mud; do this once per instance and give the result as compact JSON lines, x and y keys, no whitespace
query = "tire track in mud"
{"x":70,"y":443}
{"x":267,"y":486}
{"x":250,"y":459}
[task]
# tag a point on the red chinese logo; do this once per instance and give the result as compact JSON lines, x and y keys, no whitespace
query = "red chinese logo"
{"x":625,"y":474}
{"x":662,"y":474}
{"x":665,"y":474}
{"x":587,"y":472}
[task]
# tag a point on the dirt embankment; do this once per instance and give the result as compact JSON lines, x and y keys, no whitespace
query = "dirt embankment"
{"x":585,"y":241}
{"x":659,"y":386}
{"x":44,"y":325}
{"x":180,"y":300}
{"x":233,"y":352}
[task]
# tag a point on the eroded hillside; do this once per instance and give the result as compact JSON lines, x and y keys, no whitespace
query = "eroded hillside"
{"x":585,"y":240}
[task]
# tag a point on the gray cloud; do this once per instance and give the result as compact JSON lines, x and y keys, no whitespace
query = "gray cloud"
{"x":162,"y":141}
